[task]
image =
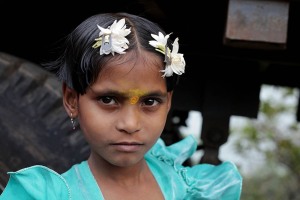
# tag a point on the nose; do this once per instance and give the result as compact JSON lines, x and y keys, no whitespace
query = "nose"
{"x":129,"y":119}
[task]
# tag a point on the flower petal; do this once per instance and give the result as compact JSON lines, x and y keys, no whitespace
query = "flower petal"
{"x":167,"y":71}
{"x":175,"y":46}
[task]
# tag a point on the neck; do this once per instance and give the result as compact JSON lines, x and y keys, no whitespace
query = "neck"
{"x":129,"y":175}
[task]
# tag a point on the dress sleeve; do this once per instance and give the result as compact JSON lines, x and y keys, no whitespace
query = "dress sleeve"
{"x":35,"y":183}
{"x":207,"y":181}
{"x":201,"y":181}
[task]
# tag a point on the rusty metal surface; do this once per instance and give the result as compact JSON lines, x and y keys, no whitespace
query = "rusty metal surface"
{"x":257,"y":20}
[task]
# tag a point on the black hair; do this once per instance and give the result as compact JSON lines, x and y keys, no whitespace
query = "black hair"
{"x":79,"y":64}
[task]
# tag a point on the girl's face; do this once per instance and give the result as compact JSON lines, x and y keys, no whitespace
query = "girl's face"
{"x":124,"y":112}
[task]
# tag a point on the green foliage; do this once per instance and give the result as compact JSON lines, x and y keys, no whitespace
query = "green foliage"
{"x":278,"y":141}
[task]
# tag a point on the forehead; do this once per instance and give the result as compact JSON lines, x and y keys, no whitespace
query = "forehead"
{"x":139,"y":64}
{"x":132,"y":72}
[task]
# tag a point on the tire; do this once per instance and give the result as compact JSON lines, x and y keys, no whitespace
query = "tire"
{"x":34,"y":127}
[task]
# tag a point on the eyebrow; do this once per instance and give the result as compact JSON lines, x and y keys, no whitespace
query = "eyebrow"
{"x":155,"y":93}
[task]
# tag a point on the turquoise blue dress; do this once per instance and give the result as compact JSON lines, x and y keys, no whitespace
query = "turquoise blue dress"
{"x":177,"y":182}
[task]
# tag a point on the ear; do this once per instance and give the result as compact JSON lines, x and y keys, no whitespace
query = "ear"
{"x":70,"y":100}
{"x":170,"y":95}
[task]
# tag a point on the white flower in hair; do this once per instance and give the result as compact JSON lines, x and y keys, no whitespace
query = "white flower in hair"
{"x":113,"y":39}
{"x":175,"y":62}
{"x":160,"y":42}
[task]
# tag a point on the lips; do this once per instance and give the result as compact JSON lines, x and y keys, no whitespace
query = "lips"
{"x":127,"y":146}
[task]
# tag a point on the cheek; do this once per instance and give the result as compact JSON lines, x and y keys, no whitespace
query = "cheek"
{"x":91,"y":119}
{"x":96,"y":129}
{"x":158,"y":121}
{"x":89,"y":125}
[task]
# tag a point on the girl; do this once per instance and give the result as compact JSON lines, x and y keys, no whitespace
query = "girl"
{"x":118,"y":72}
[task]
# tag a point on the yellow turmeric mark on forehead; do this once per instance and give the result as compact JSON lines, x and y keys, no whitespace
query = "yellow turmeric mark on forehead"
{"x":134,"y":95}
{"x":133,"y":100}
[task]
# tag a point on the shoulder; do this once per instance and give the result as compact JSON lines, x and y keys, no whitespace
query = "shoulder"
{"x":221,"y":181}
{"x":202,"y":181}
{"x":82,"y":183}
{"x":35,"y":182}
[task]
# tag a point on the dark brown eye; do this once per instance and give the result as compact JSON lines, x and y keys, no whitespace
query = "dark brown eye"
{"x":151,"y":102}
{"x":107,"y":100}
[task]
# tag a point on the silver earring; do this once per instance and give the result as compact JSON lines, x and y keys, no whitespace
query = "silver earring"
{"x":73,"y":122}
